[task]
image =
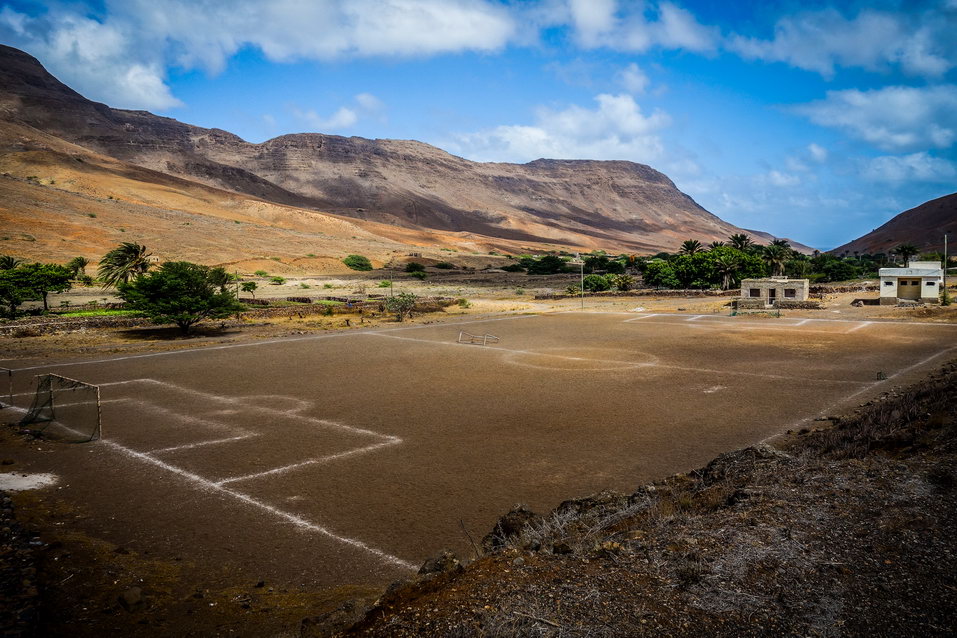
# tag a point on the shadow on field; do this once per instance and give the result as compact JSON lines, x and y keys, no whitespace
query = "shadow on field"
{"x":172,"y":333}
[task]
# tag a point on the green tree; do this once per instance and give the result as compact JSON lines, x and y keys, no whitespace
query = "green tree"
{"x":124,"y":262}
{"x":179,"y":292}
{"x":660,"y":274}
{"x":357,"y":262}
{"x":414,"y":266}
{"x":690,"y":247}
{"x":219,"y":277}
{"x":250,"y":287}
{"x":78,"y":265}
{"x":546,"y":265}
{"x":402,"y":304}
{"x":596,"y":283}
{"x":43,"y":279}
{"x":14,"y":289}
{"x":621,"y":281}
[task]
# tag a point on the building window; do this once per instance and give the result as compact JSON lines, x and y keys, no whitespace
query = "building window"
{"x":790,"y":293}
{"x":931,"y":283}
{"x":754,"y":292}
{"x":888,"y":283}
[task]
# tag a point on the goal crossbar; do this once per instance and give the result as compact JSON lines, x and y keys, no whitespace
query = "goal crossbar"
{"x":480,"y":340}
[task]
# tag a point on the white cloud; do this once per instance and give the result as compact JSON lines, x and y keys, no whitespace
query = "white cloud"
{"x":920,"y":167}
{"x":894,"y":118}
{"x":121,"y":56}
{"x":919,"y":43}
{"x":615,"y":129}
{"x":782,"y":180}
{"x":638,"y":27}
{"x":818,"y":153}
{"x":365,"y":105}
{"x":633,"y":79}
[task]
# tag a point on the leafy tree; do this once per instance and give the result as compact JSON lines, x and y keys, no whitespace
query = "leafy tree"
{"x":596,"y":283}
{"x":218,"y":276}
{"x":42,"y":279}
{"x":839,"y":270}
{"x":250,"y":287}
{"x":14,"y":289}
{"x":546,"y":265}
{"x":797,"y":268}
{"x":277,"y":280}
{"x":124,"y":262}
{"x":78,"y":265}
{"x":8,"y":262}
{"x":358,"y":262}
{"x":690,"y":247}
{"x":740,"y":241}
{"x":402,"y":304}
{"x":621,"y":281}
{"x":179,"y":292}
{"x":660,"y":274}
{"x":693,"y":270}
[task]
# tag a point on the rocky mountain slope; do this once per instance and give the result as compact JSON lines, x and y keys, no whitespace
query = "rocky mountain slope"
{"x":544,"y":204}
{"x":923,"y":226}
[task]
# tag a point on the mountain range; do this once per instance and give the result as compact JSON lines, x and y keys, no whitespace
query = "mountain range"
{"x":92,"y":175}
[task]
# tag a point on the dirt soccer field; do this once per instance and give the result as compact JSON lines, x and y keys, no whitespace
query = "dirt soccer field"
{"x":351,"y":457}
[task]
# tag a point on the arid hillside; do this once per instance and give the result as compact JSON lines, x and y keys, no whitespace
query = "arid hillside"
{"x":923,"y":226}
{"x":427,"y":197}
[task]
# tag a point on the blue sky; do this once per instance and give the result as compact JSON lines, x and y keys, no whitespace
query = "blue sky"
{"x":813,"y":120}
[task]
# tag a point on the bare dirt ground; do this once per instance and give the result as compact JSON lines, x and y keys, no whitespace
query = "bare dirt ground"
{"x":325,"y":460}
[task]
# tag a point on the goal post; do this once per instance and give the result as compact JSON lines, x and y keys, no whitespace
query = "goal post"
{"x":65,"y":409}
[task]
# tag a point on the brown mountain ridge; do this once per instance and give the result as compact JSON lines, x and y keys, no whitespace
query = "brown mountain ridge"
{"x":923,"y":226}
{"x":398,"y":192}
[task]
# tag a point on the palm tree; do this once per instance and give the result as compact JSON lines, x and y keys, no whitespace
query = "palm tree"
{"x":727,"y":265}
{"x":905,"y":251}
{"x":123,"y":263}
{"x":690,"y":247}
{"x":8,"y":262}
{"x":740,"y":241}
{"x":774,"y":256}
{"x":78,"y":265}
{"x":715,"y":244}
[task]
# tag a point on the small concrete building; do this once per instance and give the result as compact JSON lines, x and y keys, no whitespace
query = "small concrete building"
{"x":772,"y":291}
{"x":920,"y":281}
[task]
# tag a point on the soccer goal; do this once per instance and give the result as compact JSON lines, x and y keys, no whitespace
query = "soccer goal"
{"x":479,"y":340}
{"x":65,"y":409}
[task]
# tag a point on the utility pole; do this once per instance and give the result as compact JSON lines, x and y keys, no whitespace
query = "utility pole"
{"x":945,"y":268}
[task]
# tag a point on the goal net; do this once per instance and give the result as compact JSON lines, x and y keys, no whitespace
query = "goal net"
{"x":479,"y":340}
{"x":64,"y":409}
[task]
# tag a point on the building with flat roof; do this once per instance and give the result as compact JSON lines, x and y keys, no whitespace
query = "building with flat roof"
{"x":920,"y":281}
{"x":772,"y":292}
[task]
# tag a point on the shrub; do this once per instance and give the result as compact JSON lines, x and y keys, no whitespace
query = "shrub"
{"x":444,"y":265}
{"x":277,"y":280}
{"x":327,"y":286}
{"x":418,"y":274}
{"x":385,"y":283}
{"x":621,"y":282}
{"x":261,"y":273}
{"x":304,"y":285}
{"x":514,"y":268}
{"x":358,"y":262}
{"x":414,"y":266}
{"x":464,"y":303}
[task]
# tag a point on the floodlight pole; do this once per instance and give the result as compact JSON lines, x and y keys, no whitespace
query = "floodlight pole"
{"x":582,"y":264}
{"x":945,"y":266}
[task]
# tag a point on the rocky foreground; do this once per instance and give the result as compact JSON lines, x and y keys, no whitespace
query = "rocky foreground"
{"x":844,"y":529}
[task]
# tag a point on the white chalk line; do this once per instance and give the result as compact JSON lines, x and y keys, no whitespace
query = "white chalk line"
{"x":298,"y":521}
{"x":189,"y":446}
{"x":868,"y":387}
{"x":858,"y":327}
{"x":310,"y":462}
{"x":217,"y":486}
{"x":622,"y":364}
{"x":266,"y":342}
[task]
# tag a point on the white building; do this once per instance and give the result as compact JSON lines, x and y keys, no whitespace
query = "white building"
{"x":920,"y":281}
